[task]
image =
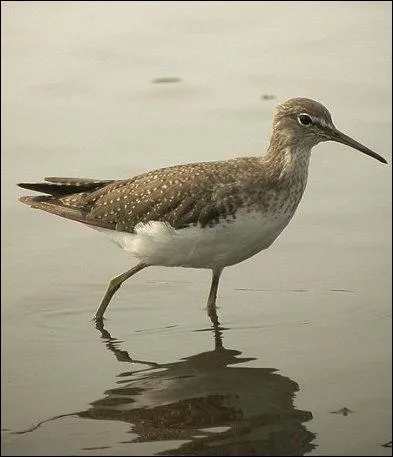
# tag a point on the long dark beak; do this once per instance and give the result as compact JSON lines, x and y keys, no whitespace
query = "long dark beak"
{"x":340,"y":137}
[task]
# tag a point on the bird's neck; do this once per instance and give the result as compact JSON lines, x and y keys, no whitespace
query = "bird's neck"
{"x":287,"y":159}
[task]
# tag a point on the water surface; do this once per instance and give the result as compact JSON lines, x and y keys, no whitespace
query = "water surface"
{"x":302,"y":361}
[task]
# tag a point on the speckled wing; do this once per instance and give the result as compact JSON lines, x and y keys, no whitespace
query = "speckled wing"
{"x":199,"y":193}
{"x":181,"y":196}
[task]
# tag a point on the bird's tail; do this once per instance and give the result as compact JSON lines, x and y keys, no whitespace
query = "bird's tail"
{"x":58,"y":189}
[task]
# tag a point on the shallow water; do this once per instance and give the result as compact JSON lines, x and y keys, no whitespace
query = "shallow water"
{"x":302,"y":361}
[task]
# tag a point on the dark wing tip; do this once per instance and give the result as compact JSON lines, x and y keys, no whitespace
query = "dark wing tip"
{"x":38,"y":187}
{"x":25,"y":185}
{"x":65,"y":186}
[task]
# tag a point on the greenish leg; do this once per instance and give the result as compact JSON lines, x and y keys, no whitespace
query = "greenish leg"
{"x":114,"y":285}
{"x":211,"y":302}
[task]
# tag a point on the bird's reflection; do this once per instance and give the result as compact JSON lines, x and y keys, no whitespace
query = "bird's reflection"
{"x":204,"y":399}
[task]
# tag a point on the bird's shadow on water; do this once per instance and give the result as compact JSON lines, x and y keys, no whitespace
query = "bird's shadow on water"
{"x":206,"y":401}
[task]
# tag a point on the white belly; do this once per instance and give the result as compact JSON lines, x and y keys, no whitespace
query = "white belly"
{"x":158,"y":243}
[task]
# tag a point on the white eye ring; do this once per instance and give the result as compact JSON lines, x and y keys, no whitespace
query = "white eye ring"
{"x":304,"y":119}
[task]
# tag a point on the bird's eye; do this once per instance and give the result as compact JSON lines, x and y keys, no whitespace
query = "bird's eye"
{"x":304,"y":119}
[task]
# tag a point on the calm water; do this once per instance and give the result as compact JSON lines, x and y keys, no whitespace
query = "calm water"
{"x":109,"y":90}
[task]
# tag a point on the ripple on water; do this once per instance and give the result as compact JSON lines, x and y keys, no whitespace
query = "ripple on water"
{"x":67,"y":316}
{"x":60,"y":316}
{"x":286,"y":308}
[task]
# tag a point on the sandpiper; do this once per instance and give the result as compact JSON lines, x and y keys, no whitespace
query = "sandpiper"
{"x":201,"y":215}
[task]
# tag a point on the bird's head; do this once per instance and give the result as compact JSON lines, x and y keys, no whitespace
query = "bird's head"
{"x":305,"y":122}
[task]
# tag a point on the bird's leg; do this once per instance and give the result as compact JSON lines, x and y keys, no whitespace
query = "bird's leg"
{"x":114,"y":285}
{"x":211,"y":302}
